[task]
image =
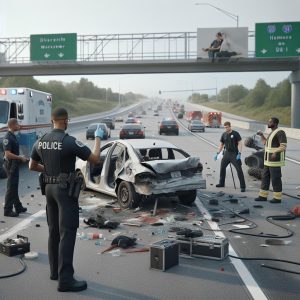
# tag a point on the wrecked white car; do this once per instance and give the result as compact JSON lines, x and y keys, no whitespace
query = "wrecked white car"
{"x":135,"y":169}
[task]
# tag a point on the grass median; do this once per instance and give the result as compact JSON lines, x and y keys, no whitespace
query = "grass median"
{"x":261,"y":114}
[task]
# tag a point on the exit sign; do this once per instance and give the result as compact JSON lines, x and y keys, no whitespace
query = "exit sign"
{"x":277,"y":39}
{"x":53,"y":47}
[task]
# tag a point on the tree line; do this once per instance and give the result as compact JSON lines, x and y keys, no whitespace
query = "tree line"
{"x":262,"y":95}
{"x":62,"y":93}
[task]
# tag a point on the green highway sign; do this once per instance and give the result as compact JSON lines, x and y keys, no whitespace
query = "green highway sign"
{"x":277,"y":39}
{"x":53,"y":46}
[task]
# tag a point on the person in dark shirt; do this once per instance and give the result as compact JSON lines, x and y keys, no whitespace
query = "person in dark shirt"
{"x":214,"y":46}
{"x":54,"y":155}
{"x":12,"y":159}
{"x":231,"y":144}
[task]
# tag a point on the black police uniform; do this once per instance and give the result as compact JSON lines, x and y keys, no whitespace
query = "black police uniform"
{"x":230,"y":141}
{"x":57,"y":151}
{"x":11,"y":167}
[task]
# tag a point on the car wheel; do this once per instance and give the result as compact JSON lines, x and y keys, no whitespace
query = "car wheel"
{"x":127,"y":196}
{"x":187,"y":197}
{"x":83,"y":185}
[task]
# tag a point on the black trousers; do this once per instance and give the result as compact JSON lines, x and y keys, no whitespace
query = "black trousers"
{"x":271,"y":174}
{"x":230,"y":157}
{"x":12,"y":194}
{"x":63,"y":221}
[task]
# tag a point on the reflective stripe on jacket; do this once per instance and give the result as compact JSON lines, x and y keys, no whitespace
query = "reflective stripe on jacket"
{"x":280,"y":156}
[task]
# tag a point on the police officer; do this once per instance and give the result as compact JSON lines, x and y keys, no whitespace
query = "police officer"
{"x":274,"y":159}
{"x":12,"y":158}
{"x":54,"y":155}
{"x":231,"y":142}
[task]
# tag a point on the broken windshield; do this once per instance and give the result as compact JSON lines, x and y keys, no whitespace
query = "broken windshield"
{"x":3,"y":111}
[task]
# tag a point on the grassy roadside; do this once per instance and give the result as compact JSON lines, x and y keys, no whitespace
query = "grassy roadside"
{"x":261,"y":114}
{"x":84,"y":106}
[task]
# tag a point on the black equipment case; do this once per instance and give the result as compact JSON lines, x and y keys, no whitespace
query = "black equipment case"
{"x":164,"y":254}
{"x":208,"y":246}
{"x":12,"y":247}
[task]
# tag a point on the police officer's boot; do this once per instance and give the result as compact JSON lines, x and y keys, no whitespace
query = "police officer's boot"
{"x":21,"y":209}
{"x":10,"y":213}
{"x":73,"y":286}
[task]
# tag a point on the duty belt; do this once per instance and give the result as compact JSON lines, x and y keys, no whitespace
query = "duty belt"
{"x":61,"y":178}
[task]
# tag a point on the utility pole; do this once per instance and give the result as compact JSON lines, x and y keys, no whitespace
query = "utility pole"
{"x":106,"y":95}
{"x":228,"y":95}
{"x":119,"y":94}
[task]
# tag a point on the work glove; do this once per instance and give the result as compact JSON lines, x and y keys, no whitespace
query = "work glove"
{"x":99,"y":133}
{"x":216,"y":156}
{"x":238,"y":157}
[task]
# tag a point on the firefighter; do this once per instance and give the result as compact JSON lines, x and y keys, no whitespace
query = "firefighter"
{"x":274,"y":159}
{"x":54,"y":155}
{"x":11,"y":163}
{"x":231,"y":144}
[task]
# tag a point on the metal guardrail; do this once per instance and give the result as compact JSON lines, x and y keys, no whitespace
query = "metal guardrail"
{"x":115,"y":47}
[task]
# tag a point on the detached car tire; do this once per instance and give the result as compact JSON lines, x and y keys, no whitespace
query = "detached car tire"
{"x":187,"y":197}
{"x":255,"y":161}
{"x":255,"y":172}
{"x":249,"y":142}
{"x":127,"y":196}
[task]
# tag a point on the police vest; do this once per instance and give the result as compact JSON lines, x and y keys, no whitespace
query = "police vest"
{"x":50,"y":149}
{"x":279,"y":161}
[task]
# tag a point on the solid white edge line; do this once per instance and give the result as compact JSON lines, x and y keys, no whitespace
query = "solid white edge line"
{"x":250,"y":283}
{"x":292,"y":160}
{"x":21,"y":225}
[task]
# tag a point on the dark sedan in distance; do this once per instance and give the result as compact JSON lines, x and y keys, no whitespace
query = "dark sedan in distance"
{"x":168,"y":126}
{"x":90,"y":132}
{"x":132,"y":131}
{"x":109,"y":122}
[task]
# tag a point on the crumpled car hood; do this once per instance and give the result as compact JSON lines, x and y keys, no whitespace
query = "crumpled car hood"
{"x":165,"y":166}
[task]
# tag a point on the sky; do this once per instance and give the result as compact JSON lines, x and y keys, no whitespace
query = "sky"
{"x":26,"y":17}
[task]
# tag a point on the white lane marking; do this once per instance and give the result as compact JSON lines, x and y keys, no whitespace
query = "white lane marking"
{"x":21,"y":225}
{"x":250,"y":283}
{"x":293,"y":160}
